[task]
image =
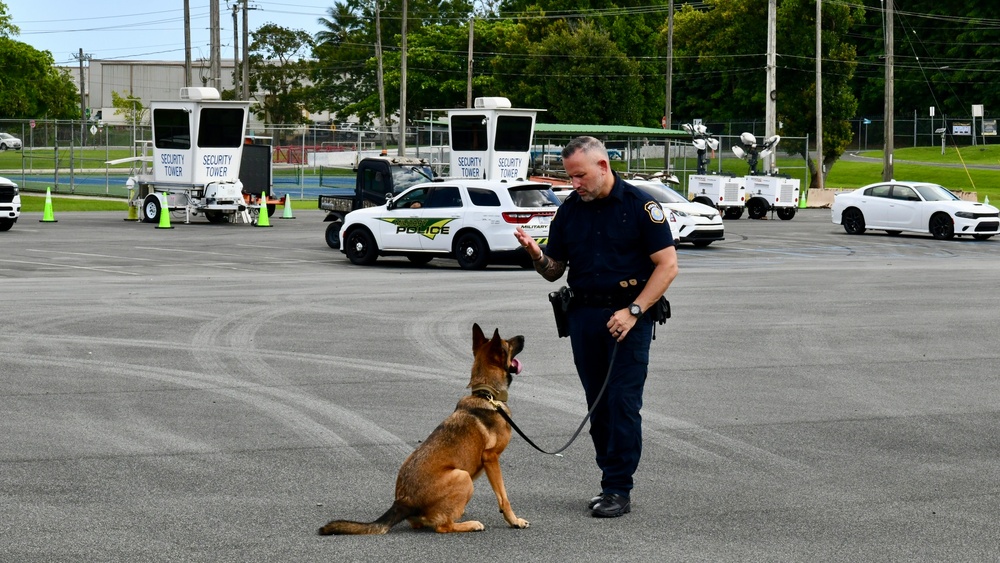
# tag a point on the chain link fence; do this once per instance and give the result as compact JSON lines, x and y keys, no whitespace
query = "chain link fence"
{"x":72,"y":157}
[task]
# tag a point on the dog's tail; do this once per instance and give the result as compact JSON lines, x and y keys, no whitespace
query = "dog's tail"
{"x":396,"y":514}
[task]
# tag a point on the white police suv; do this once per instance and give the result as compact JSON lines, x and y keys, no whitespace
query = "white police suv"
{"x":470,"y":220}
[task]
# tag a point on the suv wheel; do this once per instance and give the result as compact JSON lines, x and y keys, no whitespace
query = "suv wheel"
{"x":471,"y":251}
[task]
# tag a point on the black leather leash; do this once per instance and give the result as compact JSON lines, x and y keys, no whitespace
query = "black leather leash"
{"x":506,"y":416}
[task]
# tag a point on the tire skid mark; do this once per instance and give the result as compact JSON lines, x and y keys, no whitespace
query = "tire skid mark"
{"x":422,"y":372}
{"x":264,"y":399}
{"x":445,"y":334}
{"x":683,"y":437}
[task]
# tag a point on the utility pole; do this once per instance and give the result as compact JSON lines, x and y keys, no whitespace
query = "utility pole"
{"x":187,"y":42}
{"x":770,"y":105}
{"x":246,"y":52}
{"x":887,"y":172}
{"x":83,"y":97}
{"x":668,"y":106}
{"x":236,"y":51}
{"x":380,"y":74}
{"x":468,"y":79}
{"x":215,"y":64}
{"x":402,"y":87}
{"x":819,"y":94}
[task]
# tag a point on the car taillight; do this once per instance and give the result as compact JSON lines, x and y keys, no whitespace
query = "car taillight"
{"x":522,"y":217}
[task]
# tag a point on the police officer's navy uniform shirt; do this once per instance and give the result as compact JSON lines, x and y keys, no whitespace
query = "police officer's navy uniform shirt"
{"x":608,"y":240}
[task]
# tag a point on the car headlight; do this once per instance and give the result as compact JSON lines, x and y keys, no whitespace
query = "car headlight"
{"x":965,"y":214}
{"x":679,"y":213}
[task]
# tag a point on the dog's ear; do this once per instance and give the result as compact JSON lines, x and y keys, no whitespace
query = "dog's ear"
{"x":478,"y":338}
{"x":516,"y":345}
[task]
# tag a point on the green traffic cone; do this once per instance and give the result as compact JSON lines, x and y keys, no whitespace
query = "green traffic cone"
{"x":262,"y":218}
{"x":164,"y":214}
{"x":287,"y":214}
{"x":47,"y":216}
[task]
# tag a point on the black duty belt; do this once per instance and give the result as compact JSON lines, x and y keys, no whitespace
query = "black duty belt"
{"x":615,"y":299}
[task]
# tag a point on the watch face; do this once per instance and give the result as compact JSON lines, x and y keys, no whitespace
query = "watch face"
{"x":635,"y":310}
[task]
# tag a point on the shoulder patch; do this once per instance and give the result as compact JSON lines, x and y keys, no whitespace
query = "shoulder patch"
{"x":655,"y":212}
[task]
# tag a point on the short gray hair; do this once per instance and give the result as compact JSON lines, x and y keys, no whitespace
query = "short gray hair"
{"x":587,"y":145}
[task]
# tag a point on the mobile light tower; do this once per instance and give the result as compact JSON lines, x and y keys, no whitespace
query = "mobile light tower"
{"x":750,"y":153}
{"x":769,"y":191}
{"x":702,"y":141}
{"x":723,"y":192}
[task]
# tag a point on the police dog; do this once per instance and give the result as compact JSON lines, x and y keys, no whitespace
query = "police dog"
{"x":435,"y":482}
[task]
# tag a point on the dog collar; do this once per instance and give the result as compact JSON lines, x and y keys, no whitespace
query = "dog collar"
{"x":489,"y":393}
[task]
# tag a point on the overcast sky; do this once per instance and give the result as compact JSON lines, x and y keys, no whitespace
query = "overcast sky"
{"x":127,"y":29}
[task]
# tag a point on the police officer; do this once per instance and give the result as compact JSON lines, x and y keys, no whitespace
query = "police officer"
{"x":614,"y":239}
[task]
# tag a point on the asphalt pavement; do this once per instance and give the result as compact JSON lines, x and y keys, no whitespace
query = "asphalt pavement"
{"x":218,"y":392}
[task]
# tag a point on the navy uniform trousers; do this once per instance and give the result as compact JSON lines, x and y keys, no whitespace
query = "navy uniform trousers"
{"x":615,"y":426}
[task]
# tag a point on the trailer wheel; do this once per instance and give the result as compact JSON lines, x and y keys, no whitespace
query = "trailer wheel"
{"x":732,"y":213}
{"x":756,"y":208}
{"x":333,"y":234}
{"x":471,"y":251}
{"x":360,"y":247}
{"x":786,"y":213}
{"x":215,"y":216}
{"x":150,"y":209}
{"x":270,"y":209}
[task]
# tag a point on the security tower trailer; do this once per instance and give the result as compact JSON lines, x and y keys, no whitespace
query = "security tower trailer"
{"x":193,"y":162}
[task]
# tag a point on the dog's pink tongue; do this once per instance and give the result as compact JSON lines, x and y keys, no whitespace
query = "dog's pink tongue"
{"x":515,"y":365}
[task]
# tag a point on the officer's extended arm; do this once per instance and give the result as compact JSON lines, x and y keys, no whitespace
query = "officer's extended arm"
{"x":548,"y":268}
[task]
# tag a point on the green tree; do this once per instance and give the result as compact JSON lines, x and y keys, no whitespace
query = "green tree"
{"x":346,"y":71}
{"x":721,"y":53}
{"x":32,"y":86}
{"x":943,"y":57}
{"x":279,"y":68}
{"x":632,"y":26}
{"x":581,"y":76}
{"x":130,"y":107}
{"x":7,"y":27}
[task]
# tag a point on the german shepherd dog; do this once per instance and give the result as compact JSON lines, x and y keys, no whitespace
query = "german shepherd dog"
{"x":435,"y":482}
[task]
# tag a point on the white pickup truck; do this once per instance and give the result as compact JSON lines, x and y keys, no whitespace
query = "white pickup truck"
{"x":10,"y":204}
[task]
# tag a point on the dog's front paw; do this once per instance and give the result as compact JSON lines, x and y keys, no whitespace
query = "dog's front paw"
{"x":519,"y":523}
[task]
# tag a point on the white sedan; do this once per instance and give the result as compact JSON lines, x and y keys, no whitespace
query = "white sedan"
{"x":8,"y":141}
{"x":917,"y":207}
{"x":472,"y":221}
{"x":692,"y":222}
